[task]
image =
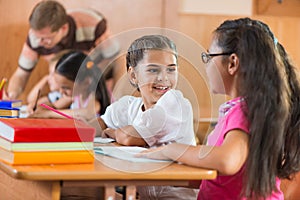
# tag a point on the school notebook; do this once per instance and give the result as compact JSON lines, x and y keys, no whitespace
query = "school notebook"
{"x":46,"y":130}
{"x":125,"y":153}
{"x":10,"y":103}
{"x":47,"y":157}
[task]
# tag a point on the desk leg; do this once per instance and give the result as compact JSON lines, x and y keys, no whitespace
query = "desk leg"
{"x":110,"y":192}
{"x":56,"y":189}
{"x":130,"y":192}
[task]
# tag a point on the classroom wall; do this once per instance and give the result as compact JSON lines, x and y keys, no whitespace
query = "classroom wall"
{"x":185,"y":16}
{"x":216,"y":7}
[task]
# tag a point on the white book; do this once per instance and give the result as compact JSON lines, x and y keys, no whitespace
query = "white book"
{"x":125,"y":153}
{"x":102,"y":140}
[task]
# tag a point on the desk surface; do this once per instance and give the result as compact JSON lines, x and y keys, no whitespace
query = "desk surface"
{"x":107,"y":168}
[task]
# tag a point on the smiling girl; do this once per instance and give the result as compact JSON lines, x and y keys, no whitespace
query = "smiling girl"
{"x":161,"y":115}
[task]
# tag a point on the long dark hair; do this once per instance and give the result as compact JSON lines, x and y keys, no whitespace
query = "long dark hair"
{"x":291,"y":152}
{"x":75,"y":62}
{"x":270,"y":87}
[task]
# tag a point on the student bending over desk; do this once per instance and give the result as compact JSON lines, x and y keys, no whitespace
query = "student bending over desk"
{"x":79,"y":88}
{"x":47,"y":91}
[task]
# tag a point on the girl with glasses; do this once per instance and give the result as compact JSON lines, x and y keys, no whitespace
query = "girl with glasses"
{"x":256,"y":140}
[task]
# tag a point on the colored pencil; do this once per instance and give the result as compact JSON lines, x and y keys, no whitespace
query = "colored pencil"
{"x":3,"y":82}
{"x":54,"y":110}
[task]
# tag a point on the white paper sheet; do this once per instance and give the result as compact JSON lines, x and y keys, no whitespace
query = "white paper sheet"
{"x":125,"y":153}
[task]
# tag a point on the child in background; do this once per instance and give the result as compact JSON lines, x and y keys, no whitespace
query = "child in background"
{"x":160,"y":116}
{"x":49,"y":91}
{"x":72,"y":79}
{"x":256,"y":139}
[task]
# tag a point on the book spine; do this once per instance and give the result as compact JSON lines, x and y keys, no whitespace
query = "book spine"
{"x":66,"y":157}
{"x":53,"y":135}
{"x":42,"y":146}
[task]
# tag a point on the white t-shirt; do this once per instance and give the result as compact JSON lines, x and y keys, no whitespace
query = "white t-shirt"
{"x":169,"y":120}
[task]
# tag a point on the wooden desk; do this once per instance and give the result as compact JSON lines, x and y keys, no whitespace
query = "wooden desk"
{"x":46,"y":181}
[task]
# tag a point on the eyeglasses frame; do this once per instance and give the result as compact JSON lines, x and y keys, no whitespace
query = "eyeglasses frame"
{"x":210,"y":55}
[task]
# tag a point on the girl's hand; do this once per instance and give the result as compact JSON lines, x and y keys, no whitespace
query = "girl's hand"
{"x":39,"y":113}
{"x":29,"y":108}
{"x":154,"y":153}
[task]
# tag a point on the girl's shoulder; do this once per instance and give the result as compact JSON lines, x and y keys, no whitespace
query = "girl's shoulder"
{"x":129,"y":100}
{"x":173,"y":97}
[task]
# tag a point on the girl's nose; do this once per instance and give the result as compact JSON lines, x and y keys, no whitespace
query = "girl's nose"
{"x":162,"y":76}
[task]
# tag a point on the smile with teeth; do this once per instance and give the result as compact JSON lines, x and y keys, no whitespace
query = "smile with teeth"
{"x":161,"y":87}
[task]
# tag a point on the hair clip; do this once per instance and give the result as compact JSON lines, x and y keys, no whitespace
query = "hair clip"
{"x":89,"y":64}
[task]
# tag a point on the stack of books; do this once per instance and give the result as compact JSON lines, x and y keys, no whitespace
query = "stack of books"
{"x":10,"y":108}
{"x":45,"y":141}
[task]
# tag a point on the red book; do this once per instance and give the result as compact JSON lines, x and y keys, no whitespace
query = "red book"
{"x":46,"y":130}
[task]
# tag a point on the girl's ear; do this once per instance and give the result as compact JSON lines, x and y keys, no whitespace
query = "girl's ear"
{"x":132,"y":76}
{"x":233,"y":64}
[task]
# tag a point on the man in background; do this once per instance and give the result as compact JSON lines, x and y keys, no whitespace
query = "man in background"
{"x":52,"y":30}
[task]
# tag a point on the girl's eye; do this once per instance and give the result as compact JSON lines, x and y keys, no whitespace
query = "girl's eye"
{"x":65,"y":88}
{"x":171,"y":69}
{"x":153,"y":70}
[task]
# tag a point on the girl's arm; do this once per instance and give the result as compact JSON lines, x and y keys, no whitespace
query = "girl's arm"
{"x":126,"y":136}
{"x":41,"y":112}
{"x":62,"y":103}
{"x":227,"y":159}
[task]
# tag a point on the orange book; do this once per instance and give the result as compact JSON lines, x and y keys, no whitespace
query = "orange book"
{"x":45,"y":130}
{"x":46,"y":157}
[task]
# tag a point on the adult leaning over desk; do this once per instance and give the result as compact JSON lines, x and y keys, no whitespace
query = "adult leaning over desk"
{"x":52,"y":30}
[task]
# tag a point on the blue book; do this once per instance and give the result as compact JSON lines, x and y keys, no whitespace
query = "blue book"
{"x":10,"y":103}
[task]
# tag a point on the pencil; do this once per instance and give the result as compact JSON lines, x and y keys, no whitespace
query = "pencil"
{"x":37,"y":98}
{"x":54,"y":110}
{"x":3,"y":82}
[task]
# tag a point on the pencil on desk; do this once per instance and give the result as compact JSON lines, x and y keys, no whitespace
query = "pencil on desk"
{"x":37,"y":98}
{"x":58,"y":112}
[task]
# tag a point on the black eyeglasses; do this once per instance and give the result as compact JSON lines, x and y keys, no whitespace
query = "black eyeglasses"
{"x":207,"y":56}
